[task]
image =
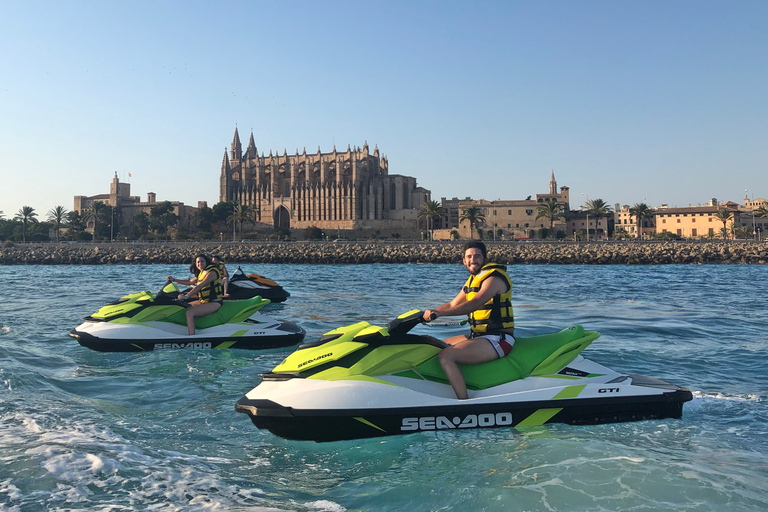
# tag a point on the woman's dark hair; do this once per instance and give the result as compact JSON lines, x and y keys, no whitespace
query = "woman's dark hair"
{"x":475,"y":244}
{"x":193,"y":267}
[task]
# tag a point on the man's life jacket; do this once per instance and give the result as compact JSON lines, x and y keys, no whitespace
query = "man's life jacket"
{"x":496,"y":315}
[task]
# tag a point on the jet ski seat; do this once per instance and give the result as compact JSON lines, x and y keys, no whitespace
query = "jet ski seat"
{"x":534,"y":355}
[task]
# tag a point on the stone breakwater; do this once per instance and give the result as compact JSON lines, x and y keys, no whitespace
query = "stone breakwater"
{"x":619,"y":253}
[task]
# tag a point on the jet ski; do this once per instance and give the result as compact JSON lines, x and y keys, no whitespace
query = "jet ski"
{"x":147,"y":321}
{"x":243,"y":286}
{"x":362,"y":380}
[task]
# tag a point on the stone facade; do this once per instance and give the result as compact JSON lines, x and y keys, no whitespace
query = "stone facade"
{"x":332,"y":191}
{"x":505,"y":219}
{"x":127,"y":206}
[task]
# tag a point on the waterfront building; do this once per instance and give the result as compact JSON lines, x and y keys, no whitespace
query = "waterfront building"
{"x":506,"y":219}
{"x":125,"y":206}
{"x":623,"y":219}
{"x":332,"y":191}
{"x":753,"y":204}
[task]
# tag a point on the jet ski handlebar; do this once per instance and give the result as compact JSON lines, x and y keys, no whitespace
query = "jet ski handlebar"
{"x":407,"y":321}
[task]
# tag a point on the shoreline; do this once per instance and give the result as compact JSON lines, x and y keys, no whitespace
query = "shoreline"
{"x":511,"y":253}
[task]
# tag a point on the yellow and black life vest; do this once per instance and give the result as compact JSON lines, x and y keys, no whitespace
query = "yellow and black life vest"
{"x":212,"y":290}
{"x":496,"y":315}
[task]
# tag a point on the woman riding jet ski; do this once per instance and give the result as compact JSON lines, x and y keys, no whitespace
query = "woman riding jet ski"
{"x":362,"y":380}
{"x":147,"y":321}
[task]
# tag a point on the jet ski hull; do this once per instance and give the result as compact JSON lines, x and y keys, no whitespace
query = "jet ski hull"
{"x":264,"y":333}
{"x":602,"y":403}
{"x":363,"y":380}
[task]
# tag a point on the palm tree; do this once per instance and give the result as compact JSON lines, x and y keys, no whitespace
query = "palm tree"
{"x":240,"y":215}
{"x":744,"y":232}
{"x":431,"y":210}
{"x":93,"y":213}
{"x":26,"y":215}
{"x":474,"y":215}
{"x":57,"y":215}
{"x":762,"y":211}
{"x":549,"y":209}
{"x":641,"y":212}
{"x":597,"y":208}
{"x":724,"y":215}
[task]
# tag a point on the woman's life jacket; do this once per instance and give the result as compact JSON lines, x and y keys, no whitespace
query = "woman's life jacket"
{"x":496,"y":315}
{"x":212,"y":290}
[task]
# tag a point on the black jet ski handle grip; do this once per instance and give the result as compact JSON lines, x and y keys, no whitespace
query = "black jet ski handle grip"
{"x":432,"y":316}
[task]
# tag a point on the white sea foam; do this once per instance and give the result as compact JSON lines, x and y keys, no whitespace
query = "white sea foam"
{"x":746,"y":397}
{"x":4,"y":329}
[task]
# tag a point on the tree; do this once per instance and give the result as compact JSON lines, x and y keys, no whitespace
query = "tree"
{"x":139,"y":226}
{"x":641,"y":212}
{"x":57,"y":215}
{"x":76,"y":227}
{"x":94,"y":213}
{"x":204,"y":218}
{"x":241,"y":214}
{"x":431,"y":210}
{"x":597,"y":208}
{"x":313,"y":233}
{"x":743,"y":232}
{"x":474,"y":216}
{"x":724,"y":215}
{"x":221,"y":211}
{"x":620,"y":233}
{"x":761,"y":211}
{"x":550,"y":210}
{"x":161,"y":217}
{"x":26,"y":215}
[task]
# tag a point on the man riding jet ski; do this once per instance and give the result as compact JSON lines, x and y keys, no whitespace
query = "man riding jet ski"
{"x":363,"y":380}
{"x":147,"y":321}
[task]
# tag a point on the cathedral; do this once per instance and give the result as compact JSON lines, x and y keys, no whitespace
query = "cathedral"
{"x":333,"y":191}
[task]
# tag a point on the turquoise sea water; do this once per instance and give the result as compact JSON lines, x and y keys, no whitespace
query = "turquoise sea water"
{"x":81,"y":430}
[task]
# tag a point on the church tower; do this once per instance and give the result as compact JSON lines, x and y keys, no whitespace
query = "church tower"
{"x":553,"y":184}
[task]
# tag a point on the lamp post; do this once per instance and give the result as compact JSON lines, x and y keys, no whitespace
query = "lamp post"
{"x":754,"y":228}
{"x":493,"y":205}
{"x":586,"y":209}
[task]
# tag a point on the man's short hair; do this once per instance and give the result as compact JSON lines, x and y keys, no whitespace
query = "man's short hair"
{"x":475,"y":244}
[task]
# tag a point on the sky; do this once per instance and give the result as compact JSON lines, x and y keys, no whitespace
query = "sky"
{"x":662,"y":102}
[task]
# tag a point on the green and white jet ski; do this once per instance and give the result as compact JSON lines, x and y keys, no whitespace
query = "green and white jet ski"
{"x":146,"y":321}
{"x":363,"y":380}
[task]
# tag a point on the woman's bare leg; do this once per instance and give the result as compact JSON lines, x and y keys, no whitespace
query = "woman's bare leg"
{"x":199,"y":310}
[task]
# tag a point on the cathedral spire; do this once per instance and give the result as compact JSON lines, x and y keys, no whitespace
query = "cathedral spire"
{"x":236,"y":148}
{"x":225,"y":163}
{"x":251,"y":151}
{"x":553,"y":184}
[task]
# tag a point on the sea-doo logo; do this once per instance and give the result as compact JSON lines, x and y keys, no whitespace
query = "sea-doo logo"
{"x":470,"y":421}
{"x":161,"y":346}
{"x":329,"y":354}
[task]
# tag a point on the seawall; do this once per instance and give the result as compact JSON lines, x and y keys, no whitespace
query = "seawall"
{"x":563,"y":253}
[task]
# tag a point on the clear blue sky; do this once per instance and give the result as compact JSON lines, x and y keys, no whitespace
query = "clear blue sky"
{"x":665,"y":101}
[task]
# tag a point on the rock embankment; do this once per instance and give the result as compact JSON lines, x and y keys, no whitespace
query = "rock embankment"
{"x":564,"y":253}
